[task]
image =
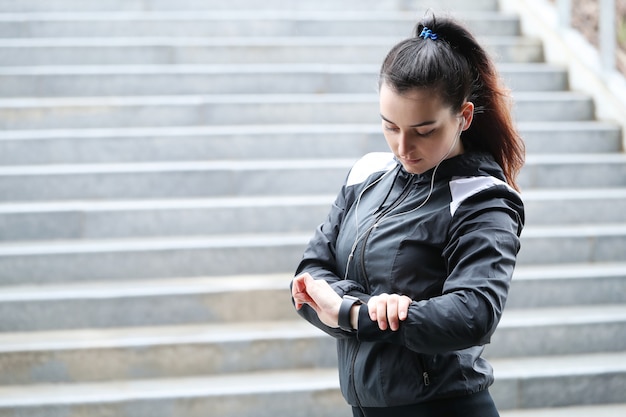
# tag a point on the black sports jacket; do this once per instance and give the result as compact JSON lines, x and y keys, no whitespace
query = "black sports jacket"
{"x":451,"y":249}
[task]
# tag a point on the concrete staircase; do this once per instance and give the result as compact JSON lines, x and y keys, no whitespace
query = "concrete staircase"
{"x":163,"y":163}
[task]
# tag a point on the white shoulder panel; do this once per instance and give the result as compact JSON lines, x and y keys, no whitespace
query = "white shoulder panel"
{"x":463,"y":188}
{"x":369,"y":164}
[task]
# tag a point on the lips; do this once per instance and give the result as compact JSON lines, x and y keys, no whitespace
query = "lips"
{"x":411,"y":161}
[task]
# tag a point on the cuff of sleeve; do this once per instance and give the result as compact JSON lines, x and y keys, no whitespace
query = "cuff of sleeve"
{"x":369,"y":331}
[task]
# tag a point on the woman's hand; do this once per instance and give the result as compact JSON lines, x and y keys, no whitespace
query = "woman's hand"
{"x":388,"y":310}
{"x":318,"y":294}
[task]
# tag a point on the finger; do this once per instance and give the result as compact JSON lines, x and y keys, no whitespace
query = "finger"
{"x":381,"y":312}
{"x":403,"y":307}
{"x":297,"y":285}
{"x":392,"y":312}
{"x":322,"y":293}
{"x":299,"y":282}
{"x":302,"y":298}
{"x":297,"y":289}
{"x":372,"y":306}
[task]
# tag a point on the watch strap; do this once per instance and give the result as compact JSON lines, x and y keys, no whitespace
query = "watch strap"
{"x":344,"y":312}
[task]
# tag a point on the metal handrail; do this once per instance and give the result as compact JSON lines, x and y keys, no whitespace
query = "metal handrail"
{"x":607,"y":30}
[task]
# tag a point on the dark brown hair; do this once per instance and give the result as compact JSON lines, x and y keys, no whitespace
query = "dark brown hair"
{"x":457,"y":68}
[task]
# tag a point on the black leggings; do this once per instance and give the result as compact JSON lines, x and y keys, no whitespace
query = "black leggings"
{"x":473,"y":405}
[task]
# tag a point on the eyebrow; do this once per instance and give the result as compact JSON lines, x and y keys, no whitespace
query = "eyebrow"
{"x":428,"y":122}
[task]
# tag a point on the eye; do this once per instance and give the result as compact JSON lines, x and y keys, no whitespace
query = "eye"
{"x":391,"y":128}
{"x":425,"y":134}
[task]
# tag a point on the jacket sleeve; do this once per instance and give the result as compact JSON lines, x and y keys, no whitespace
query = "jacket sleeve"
{"x":319,"y":260}
{"x":481,"y":251}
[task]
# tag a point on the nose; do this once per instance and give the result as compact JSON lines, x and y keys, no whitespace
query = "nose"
{"x":405,"y":146}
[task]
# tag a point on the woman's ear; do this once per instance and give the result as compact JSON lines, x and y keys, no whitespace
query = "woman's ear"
{"x":467,"y":112}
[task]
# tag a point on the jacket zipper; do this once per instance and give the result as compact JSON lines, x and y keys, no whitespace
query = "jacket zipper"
{"x":382,"y":214}
{"x":401,"y":198}
{"x":425,"y":375}
{"x":352,"y":366}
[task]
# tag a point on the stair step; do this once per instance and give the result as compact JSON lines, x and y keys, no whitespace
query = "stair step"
{"x":574,"y":206}
{"x":567,"y":284}
{"x":160,"y":352}
{"x":573,"y":243}
{"x":142,"y":218}
{"x":181,"y":300}
{"x":147,"y":352}
{"x":558,"y":381}
{"x":288,"y":393}
{"x":573,"y":170}
{"x":172,"y":180}
{"x":179,"y":143}
{"x":231,"y":79}
{"x":570,"y":137}
{"x":217,"y":5}
{"x":120,"y":259}
{"x":521,"y":383}
{"x":236,"y":23}
{"x":262,"y":214}
{"x":198,"y":179}
{"x":89,"y":112}
{"x":236,"y":142}
{"x":177,"y":50}
{"x":171,"y":301}
{"x":560,"y":331}
{"x":609,"y":410}
{"x":48,"y":262}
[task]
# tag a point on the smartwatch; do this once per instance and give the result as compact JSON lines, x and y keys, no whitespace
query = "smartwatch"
{"x":344,"y":312}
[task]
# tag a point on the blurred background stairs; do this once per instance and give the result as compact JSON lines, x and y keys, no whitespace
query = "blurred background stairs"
{"x":163,"y":163}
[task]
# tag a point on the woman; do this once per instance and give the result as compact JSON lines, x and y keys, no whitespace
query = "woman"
{"x":411,"y":269}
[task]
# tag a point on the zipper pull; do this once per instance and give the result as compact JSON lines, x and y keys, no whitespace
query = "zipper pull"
{"x":426,"y":378}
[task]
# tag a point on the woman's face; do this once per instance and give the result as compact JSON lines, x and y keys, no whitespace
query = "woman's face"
{"x":420,"y":130}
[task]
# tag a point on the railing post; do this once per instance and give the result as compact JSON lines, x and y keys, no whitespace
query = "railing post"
{"x":607,"y":34}
{"x":565,"y":13}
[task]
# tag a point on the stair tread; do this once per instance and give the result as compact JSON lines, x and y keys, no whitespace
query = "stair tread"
{"x":605,"y":410}
{"x":265,"y":201}
{"x":278,"y":281}
{"x":386,"y":41}
{"x":176,"y":166}
{"x":203,"y":5}
{"x":174,"y":203}
{"x":140,"y":244}
{"x":155,"y":335}
{"x":252,"y":240}
{"x":259,"y":164}
{"x":545,"y":366}
{"x":254,"y":68}
{"x":265,"y":330}
{"x":280,"y":381}
{"x":268,"y":129}
{"x":569,"y":271}
{"x":535,"y":317}
{"x":243,"y":14}
{"x":231,"y":384}
{"x":158,"y":287}
{"x":186,"y":99}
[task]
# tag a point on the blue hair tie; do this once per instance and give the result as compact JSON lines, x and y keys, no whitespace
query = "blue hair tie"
{"x":427,"y":33}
